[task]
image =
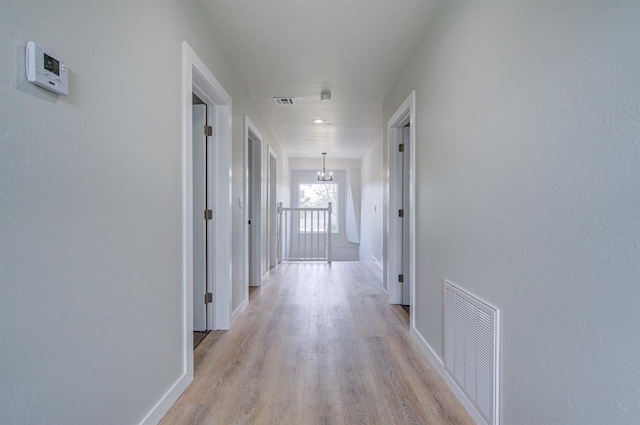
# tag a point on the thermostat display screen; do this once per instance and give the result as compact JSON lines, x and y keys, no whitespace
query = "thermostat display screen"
{"x":51,"y":65}
{"x":46,"y":69}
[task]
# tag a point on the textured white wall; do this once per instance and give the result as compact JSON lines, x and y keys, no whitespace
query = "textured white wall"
{"x":372,"y":194}
{"x":90,"y":206}
{"x":528,"y":177}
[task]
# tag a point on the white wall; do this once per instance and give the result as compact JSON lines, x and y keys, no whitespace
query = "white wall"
{"x":372,"y":207}
{"x":528,"y":180}
{"x":90,"y":206}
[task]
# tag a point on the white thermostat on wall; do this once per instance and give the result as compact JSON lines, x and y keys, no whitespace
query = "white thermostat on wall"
{"x":46,"y":70}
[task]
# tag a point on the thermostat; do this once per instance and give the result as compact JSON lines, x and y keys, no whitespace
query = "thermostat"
{"x":46,"y":70}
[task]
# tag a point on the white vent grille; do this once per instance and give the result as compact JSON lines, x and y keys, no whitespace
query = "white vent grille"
{"x":471,"y":349}
{"x":284,"y":100}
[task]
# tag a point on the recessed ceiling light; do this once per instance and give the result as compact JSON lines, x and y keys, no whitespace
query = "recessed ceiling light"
{"x":318,"y":121}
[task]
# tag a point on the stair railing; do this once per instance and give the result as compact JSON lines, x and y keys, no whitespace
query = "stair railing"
{"x":304,"y":234}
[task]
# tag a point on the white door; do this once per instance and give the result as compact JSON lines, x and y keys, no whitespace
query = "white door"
{"x":199,"y":222}
{"x":404,"y":159}
{"x":251,"y":213}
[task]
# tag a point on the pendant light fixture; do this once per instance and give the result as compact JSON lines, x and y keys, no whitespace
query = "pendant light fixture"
{"x":323,"y":176}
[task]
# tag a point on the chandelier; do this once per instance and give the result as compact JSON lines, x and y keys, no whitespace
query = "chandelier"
{"x":322,"y":176}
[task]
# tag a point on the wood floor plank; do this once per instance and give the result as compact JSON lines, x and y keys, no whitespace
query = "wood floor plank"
{"x":395,"y":392}
{"x":322,"y":399}
{"x":318,"y":345}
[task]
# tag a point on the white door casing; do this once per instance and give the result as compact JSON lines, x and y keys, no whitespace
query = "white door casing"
{"x":404,"y":115}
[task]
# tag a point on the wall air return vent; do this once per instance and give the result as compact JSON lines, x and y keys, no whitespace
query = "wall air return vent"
{"x":472,"y":349}
{"x":284,"y":100}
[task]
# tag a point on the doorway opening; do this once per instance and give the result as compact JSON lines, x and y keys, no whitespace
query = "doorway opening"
{"x":202,"y":208}
{"x":206,"y":228}
{"x":400,"y":223}
{"x":404,"y":155}
{"x":254,"y":211}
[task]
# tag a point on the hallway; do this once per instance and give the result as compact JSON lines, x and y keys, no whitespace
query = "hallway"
{"x":318,"y":344}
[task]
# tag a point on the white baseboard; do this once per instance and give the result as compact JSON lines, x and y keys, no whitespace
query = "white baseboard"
{"x":239,"y":310}
{"x":164,"y":404}
{"x":377,"y":263}
{"x":439,"y":366}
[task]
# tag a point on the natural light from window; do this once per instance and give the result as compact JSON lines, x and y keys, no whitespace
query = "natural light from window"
{"x":318,"y":195}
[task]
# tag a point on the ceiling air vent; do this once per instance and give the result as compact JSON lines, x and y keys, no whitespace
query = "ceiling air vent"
{"x":284,"y":100}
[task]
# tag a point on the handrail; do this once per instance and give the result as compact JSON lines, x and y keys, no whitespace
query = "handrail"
{"x":304,"y":209}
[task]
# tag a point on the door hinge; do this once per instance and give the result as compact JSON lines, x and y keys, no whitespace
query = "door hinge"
{"x":208,"y":298}
{"x":401,"y":213}
{"x":401,"y":278}
{"x":401,"y":147}
{"x":208,"y":130}
{"x":208,"y":214}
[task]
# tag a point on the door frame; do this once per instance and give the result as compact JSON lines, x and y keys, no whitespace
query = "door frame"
{"x":199,"y":80}
{"x":251,"y":133}
{"x":404,"y":115}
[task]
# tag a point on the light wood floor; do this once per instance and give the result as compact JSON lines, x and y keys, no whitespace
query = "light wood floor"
{"x":318,"y":344}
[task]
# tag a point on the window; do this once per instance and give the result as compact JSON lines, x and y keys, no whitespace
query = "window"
{"x":318,"y":195}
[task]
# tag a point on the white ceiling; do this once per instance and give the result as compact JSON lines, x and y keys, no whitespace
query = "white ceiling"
{"x":296,"y":48}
